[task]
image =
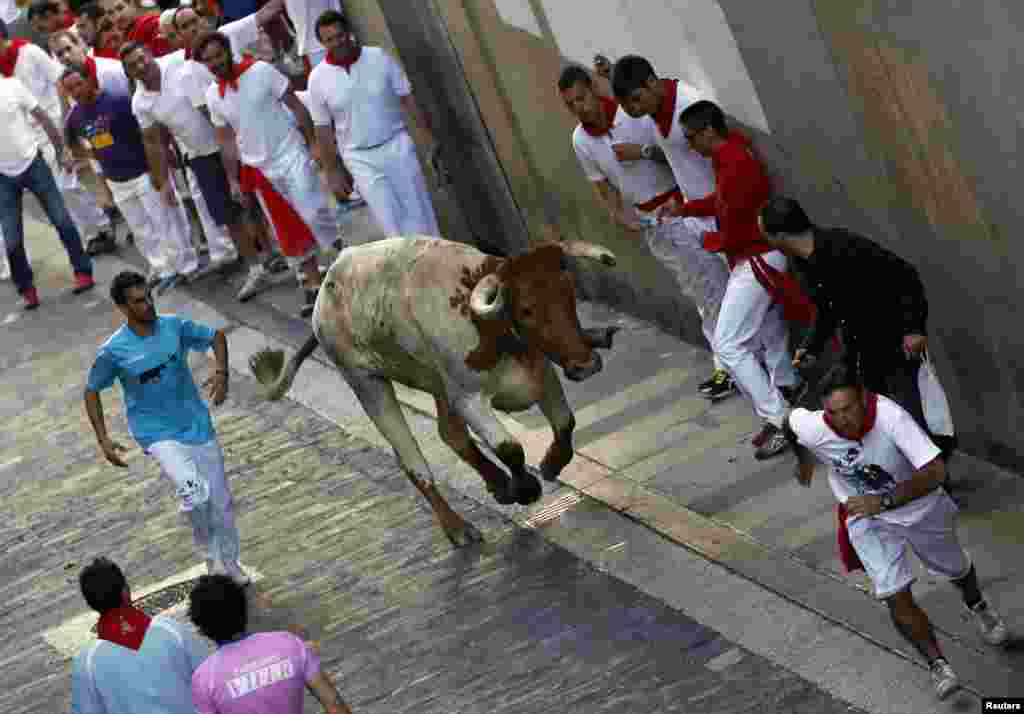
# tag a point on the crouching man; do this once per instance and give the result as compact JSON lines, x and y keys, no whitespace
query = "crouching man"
{"x":886,"y":474}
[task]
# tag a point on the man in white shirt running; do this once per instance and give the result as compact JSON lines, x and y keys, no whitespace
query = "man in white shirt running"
{"x":887,"y":476}
{"x":252,"y":106}
{"x":363,"y":92}
{"x":634,"y":189}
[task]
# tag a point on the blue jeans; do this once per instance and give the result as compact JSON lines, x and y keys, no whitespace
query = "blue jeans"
{"x":38,"y":179}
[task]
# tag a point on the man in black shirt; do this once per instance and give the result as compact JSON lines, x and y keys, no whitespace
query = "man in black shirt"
{"x":875,"y":296}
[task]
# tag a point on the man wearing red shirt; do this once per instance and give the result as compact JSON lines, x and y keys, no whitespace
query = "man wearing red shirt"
{"x":750,"y":315}
{"x":137,"y":25}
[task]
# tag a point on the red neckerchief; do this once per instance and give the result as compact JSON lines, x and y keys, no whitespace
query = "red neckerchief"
{"x":125,"y":626}
{"x":146,"y":30}
{"x":68,"y":21}
{"x":610,"y":107}
{"x":293,"y":233}
{"x":188,"y":53}
{"x":870,"y":413}
{"x":345,"y":63}
{"x":90,"y":67}
{"x":237,"y":70}
{"x":9,"y":58}
{"x":106,"y":53}
{"x":667,"y":112}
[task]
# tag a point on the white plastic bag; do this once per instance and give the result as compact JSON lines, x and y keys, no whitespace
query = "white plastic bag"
{"x":933,"y":399}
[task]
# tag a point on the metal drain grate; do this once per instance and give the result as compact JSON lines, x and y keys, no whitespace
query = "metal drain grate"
{"x":164,"y":599}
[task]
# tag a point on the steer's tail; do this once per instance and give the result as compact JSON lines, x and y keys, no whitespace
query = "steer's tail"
{"x":268,"y":366}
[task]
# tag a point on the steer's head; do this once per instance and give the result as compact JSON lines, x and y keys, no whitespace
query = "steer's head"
{"x":536,"y":294}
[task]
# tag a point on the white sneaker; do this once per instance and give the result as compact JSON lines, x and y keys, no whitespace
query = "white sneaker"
{"x":991,"y":626}
{"x":257,"y":281}
{"x":944,"y":678}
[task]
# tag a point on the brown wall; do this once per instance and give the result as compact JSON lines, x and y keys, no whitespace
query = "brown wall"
{"x":898,"y":120}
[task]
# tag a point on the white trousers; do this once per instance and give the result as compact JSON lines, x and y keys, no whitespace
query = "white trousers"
{"x":217,"y":238}
{"x":161,"y":233}
{"x":391,"y":180}
{"x":748,"y":320}
{"x":196,"y":473}
{"x":700,"y":275}
{"x":81,"y":203}
{"x":297,"y":180}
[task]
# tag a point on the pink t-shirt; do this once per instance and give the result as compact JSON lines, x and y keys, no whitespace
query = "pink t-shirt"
{"x":263,"y":673}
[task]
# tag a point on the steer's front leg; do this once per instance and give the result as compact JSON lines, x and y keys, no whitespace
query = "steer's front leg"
{"x":555,"y":407}
{"x":478,"y":414}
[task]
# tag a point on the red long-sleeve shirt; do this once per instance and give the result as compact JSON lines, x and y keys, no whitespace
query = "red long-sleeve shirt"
{"x":742,"y":187}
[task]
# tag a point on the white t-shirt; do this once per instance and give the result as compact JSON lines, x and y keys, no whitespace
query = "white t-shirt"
{"x":262,"y":123}
{"x":19,"y":139}
{"x":9,"y":11}
{"x":40,"y":74}
{"x":111,"y":77}
{"x":637,"y":181}
{"x":887,"y":455}
{"x":694,"y":173}
{"x":304,"y":14}
{"x":172,"y":107}
{"x":364,"y":104}
{"x":242,"y":34}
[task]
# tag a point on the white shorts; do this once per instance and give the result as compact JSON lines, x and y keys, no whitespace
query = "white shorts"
{"x":882,"y":547}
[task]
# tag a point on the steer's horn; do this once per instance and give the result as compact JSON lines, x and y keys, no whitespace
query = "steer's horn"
{"x":488,"y":297}
{"x":582,"y":249}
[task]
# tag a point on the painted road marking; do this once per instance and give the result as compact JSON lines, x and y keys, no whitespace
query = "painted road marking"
{"x":635,"y":394}
{"x":72,"y":634}
{"x":725,"y":660}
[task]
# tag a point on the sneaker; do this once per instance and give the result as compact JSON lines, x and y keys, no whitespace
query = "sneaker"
{"x":257,"y":281}
{"x":944,"y":678}
{"x":718,"y":387}
{"x":83,"y":282}
{"x":30,"y":297}
{"x":762,"y":436}
{"x":104,"y":242}
{"x":201,"y":272}
{"x":991,"y":626}
{"x":235,"y":572}
{"x":226,"y":263}
{"x":277,"y":264}
{"x":774,"y":444}
{"x":167,"y":282}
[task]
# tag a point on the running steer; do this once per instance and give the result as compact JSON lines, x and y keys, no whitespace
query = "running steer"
{"x":476,"y":331}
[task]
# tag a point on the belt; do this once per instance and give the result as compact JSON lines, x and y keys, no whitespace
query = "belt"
{"x":368,"y":148}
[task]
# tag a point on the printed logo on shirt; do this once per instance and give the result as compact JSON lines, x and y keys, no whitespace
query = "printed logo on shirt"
{"x":152,"y":375}
{"x":98,"y":133}
{"x":257,"y":679}
{"x":864,"y":479}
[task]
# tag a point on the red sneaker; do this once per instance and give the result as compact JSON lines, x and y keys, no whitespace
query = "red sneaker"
{"x":31,"y":298}
{"x":83,"y":282}
{"x":762,"y":436}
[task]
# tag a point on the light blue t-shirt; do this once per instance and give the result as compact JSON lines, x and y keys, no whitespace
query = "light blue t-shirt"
{"x":156,"y":679}
{"x":161,"y":399}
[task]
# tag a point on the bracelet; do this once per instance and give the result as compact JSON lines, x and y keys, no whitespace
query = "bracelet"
{"x":647,"y":151}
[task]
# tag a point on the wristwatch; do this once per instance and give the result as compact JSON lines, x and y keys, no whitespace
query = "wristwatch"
{"x":647,"y":151}
{"x":888,"y":500}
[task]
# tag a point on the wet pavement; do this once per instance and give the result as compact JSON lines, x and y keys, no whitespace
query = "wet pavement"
{"x":533,"y":620}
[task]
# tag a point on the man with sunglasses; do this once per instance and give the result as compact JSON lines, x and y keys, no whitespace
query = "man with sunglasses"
{"x":148,"y":355}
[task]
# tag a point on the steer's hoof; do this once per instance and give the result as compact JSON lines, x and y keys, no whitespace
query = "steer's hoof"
{"x":467,"y":534}
{"x":601,"y":337}
{"x":503,"y":492}
{"x":528,"y":488}
{"x":554,"y":462}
